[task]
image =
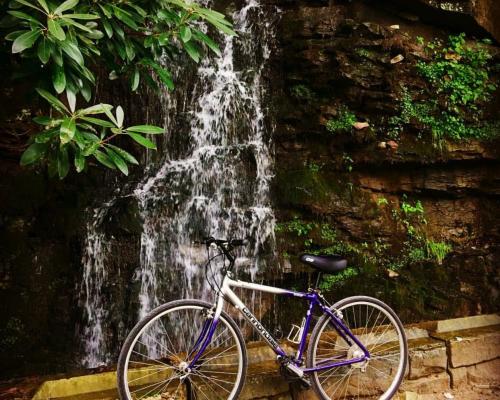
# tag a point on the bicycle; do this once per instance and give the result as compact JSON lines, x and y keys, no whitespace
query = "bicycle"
{"x":191,"y":349}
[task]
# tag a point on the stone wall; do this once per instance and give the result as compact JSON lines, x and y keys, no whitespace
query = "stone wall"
{"x":458,"y":357}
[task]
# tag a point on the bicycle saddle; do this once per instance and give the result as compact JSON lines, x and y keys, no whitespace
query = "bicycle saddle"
{"x":328,"y":264}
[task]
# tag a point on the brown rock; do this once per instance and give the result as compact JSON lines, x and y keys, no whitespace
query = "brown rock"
{"x":436,"y":383}
{"x":360,"y":125}
{"x":392,"y":145}
{"x":486,"y":373}
{"x":472,"y":349}
{"x":458,"y":377}
{"x":486,"y":13}
{"x":397,"y":59}
{"x":428,"y":358}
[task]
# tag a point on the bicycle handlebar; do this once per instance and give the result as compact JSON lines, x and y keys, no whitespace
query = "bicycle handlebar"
{"x":221,"y":242}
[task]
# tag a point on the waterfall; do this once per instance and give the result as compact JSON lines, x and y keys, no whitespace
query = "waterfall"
{"x":92,"y":301}
{"x":215,"y":181}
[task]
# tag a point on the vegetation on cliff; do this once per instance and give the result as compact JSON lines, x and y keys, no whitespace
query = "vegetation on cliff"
{"x":458,"y":87}
{"x":411,"y":244}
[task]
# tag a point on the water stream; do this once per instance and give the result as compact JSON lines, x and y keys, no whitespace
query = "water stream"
{"x":215,"y":181}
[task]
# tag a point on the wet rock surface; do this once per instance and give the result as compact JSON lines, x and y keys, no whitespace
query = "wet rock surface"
{"x":358,"y":54}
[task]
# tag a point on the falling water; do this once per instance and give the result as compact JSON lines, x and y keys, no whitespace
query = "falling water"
{"x":213,"y":182}
{"x":92,"y":300}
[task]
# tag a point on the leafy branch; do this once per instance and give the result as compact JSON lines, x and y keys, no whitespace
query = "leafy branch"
{"x":60,"y":45}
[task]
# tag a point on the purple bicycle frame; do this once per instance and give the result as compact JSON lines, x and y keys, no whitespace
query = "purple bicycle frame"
{"x":314,"y":300}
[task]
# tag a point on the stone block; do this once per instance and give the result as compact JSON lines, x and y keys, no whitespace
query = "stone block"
{"x":476,"y":321}
{"x":473,"y":347}
{"x":458,"y":377}
{"x":434,"y":383}
{"x":486,"y":373}
{"x":264,"y":386}
{"x":427,"y":357}
{"x":482,"y":374}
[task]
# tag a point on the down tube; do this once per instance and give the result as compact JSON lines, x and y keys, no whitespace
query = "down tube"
{"x":268,"y":338}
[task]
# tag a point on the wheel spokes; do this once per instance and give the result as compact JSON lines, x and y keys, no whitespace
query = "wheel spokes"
{"x":159,"y":365}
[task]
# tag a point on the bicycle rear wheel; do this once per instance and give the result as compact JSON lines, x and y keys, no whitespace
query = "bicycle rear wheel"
{"x":380,"y":331}
{"x":154,"y":360}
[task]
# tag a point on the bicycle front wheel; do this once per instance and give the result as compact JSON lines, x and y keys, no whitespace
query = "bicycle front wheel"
{"x":154,"y":363}
{"x":380,"y":331}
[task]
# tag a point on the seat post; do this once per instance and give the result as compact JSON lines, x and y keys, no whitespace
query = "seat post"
{"x":318,"y":279}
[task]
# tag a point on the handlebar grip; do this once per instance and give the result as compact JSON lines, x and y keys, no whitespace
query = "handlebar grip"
{"x":237,"y":242}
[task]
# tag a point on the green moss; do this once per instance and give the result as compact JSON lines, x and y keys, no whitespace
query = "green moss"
{"x":343,"y":122}
{"x":302,"y":92}
{"x":458,"y":75}
{"x":309,"y":184}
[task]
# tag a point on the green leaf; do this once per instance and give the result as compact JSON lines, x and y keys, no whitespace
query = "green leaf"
{"x":143,"y":13}
{"x":185,"y":34}
{"x":56,"y":54}
{"x":27,"y":17}
{"x":59,"y":79}
{"x":78,"y":25}
{"x":192,"y":50}
{"x":104,"y":159}
{"x":54,"y":101}
{"x":86,"y":91}
{"x":14,"y":35}
{"x":79,"y":160}
{"x":97,"y":109}
{"x":91,"y":149}
{"x":95,"y":34}
{"x":46,"y":136}
{"x":67,"y":130}
{"x":28,"y":4}
{"x":117,"y":160}
{"x":97,"y":121}
{"x":120,"y":115}
{"x":123,"y":16}
{"x":106,"y":10}
{"x":68,"y":4}
{"x":25,"y":41}
{"x":72,"y":50}
{"x":44,"y":50}
{"x":124,"y":154}
{"x":111,"y":116}
{"x":82,"y":16}
{"x":71,"y":96}
{"x":129,"y":50}
{"x":33,"y":153}
{"x":214,"y":14}
{"x":55,"y":29}
{"x":43,"y":120}
{"x":208,"y":41}
{"x":148,"y":129}
{"x":162,"y":73}
{"x":142,"y":140}
{"x":135,"y":79}
{"x":44,"y":5}
{"x":222,"y":25}
{"x":62,"y":162}
{"x":107,"y":28}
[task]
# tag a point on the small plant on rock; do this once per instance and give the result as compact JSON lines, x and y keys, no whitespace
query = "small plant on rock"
{"x":343,"y":122}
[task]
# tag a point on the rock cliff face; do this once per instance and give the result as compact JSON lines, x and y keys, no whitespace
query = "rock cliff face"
{"x":330,"y":55}
{"x":338,"y":54}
